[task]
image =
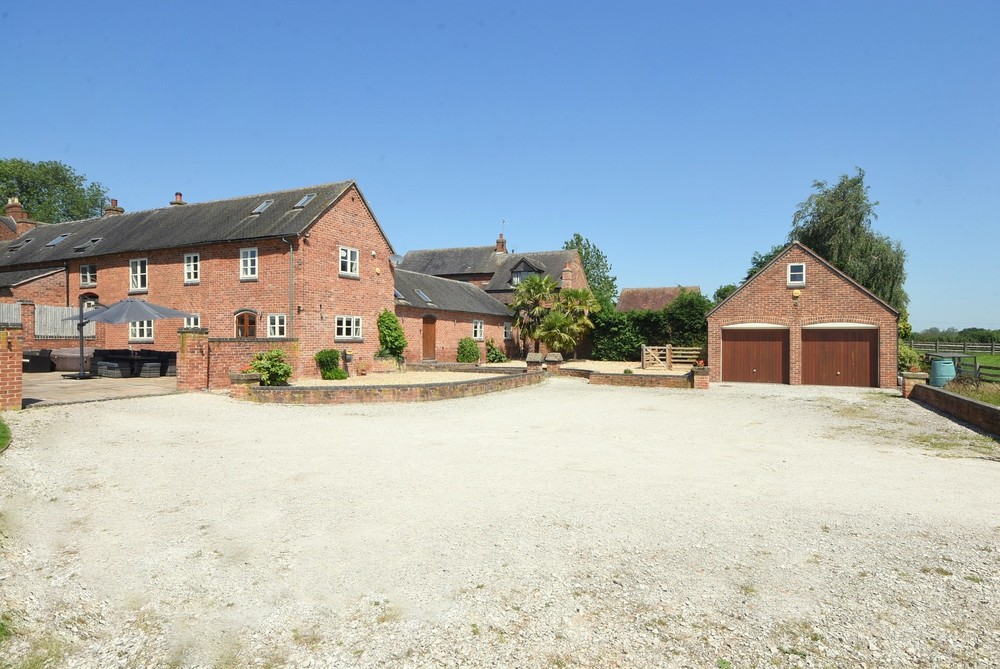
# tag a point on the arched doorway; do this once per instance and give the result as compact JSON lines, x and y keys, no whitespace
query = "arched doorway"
{"x":430,"y":338}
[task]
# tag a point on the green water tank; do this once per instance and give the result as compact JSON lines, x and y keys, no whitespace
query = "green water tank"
{"x":942,"y":371}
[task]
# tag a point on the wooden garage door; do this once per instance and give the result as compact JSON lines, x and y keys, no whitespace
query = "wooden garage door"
{"x":759,"y":356}
{"x":840,"y":357}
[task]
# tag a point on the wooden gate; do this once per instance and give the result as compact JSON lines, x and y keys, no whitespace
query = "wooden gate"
{"x":656,"y":357}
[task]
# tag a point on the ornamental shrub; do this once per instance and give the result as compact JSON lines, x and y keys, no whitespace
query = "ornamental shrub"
{"x":493,"y":353}
{"x":390,"y":335}
{"x":909,"y":357}
{"x":271,"y":366}
{"x":468,"y":350}
{"x":329,"y":364}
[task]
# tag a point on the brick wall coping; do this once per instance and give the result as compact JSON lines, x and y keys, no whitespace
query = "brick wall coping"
{"x":980,"y":414}
{"x":415,"y":392}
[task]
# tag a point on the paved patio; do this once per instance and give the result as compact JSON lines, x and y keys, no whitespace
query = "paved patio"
{"x":46,"y":389}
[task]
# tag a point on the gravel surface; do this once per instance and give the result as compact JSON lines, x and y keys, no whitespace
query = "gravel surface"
{"x":557,"y":525}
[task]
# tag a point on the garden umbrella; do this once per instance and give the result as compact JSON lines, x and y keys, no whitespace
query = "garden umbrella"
{"x":124,"y":311}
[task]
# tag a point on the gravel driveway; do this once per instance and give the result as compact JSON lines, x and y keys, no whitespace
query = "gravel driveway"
{"x":558,"y":525}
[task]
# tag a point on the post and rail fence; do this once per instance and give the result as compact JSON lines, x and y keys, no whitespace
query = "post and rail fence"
{"x":992,"y":348}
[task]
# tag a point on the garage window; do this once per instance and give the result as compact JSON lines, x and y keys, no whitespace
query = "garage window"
{"x":796,"y":274}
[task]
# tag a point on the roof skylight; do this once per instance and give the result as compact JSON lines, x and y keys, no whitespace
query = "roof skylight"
{"x":304,"y":201}
{"x":262,"y":206}
{"x":17,"y":245}
{"x":87,"y":244}
{"x":422,"y":295}
{"x":58,"y":239}
{"x":398,"y":295}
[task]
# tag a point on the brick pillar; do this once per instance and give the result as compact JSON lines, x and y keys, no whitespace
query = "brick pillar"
{"x":239,"y":388}
{"x":552,"y":362}
{"x":911,"y":379}
{"x":700,"y":377}
{"x":192,"y":360}
{"x":534,"y":361}
{"x":11,"y":352}
{"x":27,"y":323}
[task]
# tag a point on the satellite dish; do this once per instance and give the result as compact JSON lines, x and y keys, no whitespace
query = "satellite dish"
{"x":395,"y":259}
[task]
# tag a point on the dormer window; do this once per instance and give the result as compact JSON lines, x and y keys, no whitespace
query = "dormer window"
{"x":262,"y":206}
{"x":796,"y":274}
{"x":519,"y":276}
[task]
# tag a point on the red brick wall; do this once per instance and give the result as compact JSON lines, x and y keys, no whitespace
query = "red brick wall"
{"x":234,"y":355}
{"x":450,"y":327}
{"x":827,"y":297}
{"x":49,"y":289}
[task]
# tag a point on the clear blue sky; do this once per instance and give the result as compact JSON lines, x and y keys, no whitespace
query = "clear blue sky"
{"x":678,"y":137}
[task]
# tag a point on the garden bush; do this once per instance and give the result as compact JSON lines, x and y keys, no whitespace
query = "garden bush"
{"x":468,"y":350}
{"x":493,"y":353}
{"x":329,"y":364}
{"x":391,"y":340}
{"x":271,"y":366}
{"x":909,"y":358}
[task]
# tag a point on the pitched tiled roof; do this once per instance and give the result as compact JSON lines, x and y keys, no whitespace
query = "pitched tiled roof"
{"x":16,"y":278}
{"x":177,"y":226}
{"x":484,"y":260}
{"x":654,"y":299}
{"x":444,"y":294}
{"x":9,"y":222}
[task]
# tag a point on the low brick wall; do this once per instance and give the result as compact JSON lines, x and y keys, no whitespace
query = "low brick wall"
{"x":641,"y":380}
{"x":391,"y":393}
{"x":577,"y":373}
{"x":984,"y":416}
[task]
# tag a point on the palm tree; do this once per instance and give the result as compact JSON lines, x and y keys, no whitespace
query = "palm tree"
{"x":578,"y":304}
{"x":532,"y":300}
{"x":558,"y":331}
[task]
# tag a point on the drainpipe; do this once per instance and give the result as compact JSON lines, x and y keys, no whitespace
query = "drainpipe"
{"x":291,"y":288}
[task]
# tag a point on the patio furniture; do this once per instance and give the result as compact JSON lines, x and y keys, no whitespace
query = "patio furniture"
{"x":150,"y":370}
{"x":37,"y":361}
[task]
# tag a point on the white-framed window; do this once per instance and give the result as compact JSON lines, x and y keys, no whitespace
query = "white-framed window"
{"x":138,"y":279}
{"x":140,"y":331}
{"x":517,"y":277}
{"x":276,"y":326}
{"x":192,"y":321}
{"x":348,"y":261}
{"x":192,"y":268}
{"x":508,"y":330}
{"x":248,"y":263}
{"x":88,"y":275}
{"x":796,"y":274}
{"x":348,"y":327}
{"x":477,"y":330}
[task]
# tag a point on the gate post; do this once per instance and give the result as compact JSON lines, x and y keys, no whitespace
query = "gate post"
{"x":11,"y":353}
{"x":192,"y":360}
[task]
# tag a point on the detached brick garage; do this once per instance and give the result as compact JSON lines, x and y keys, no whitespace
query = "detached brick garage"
{"x":801,"y":321}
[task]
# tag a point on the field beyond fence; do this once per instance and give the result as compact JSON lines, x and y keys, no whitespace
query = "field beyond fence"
{"x":992,"y":348}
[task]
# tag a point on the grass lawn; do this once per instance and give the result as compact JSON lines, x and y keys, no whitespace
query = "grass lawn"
{"x":985,"y":392}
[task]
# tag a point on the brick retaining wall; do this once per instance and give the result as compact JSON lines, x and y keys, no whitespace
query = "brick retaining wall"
{"x":641,"y":380}
{"x":405,"y":393}
{"x":984,"y":416}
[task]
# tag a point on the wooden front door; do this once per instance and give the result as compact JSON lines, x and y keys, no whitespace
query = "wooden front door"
{"x":756,"y":356}
{"x":430,"y":338}
{"x":840,"y":357}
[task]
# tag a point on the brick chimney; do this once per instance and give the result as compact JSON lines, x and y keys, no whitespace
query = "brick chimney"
{"x":178,"y":199}
{"x":501,"y":244}
{"x":566,"y":279}
{"x":20,"y":216}
{"x":15,"y":210}
{"x":113,"y":209}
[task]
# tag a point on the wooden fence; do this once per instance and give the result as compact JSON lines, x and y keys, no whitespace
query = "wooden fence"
{"x":49,"y":323}
{"x":955,"y":347}
{"x":664,"y":357}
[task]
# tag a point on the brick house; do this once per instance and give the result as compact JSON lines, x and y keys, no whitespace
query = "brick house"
{"x":307,"y":269}
{"x":802,"y":321}
{"x":651,"y":299}
{"x":496,"y":270}
{"x":436,"y":313}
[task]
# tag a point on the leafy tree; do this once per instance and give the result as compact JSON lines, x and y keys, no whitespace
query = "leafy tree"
{"x":615,"y":337}
{"x":836,"y":223}
{"x":596,"y":267}
{"x":686,"y":319}
{"x":51,"y":191}
{"x":391,"y":339}
{"x":533,"y":298}
{"x":760,"y":260}
{"x":722,"y":292}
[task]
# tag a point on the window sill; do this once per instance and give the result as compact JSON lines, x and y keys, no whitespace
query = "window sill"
{"x":192,"y":283}
{"x":140,"y":341}
{"x":247,"y":279}
{"x":88,"y":285}
{"x":143,"y":291}
{"x":349,"y":340}
{"x":345,"y":275}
